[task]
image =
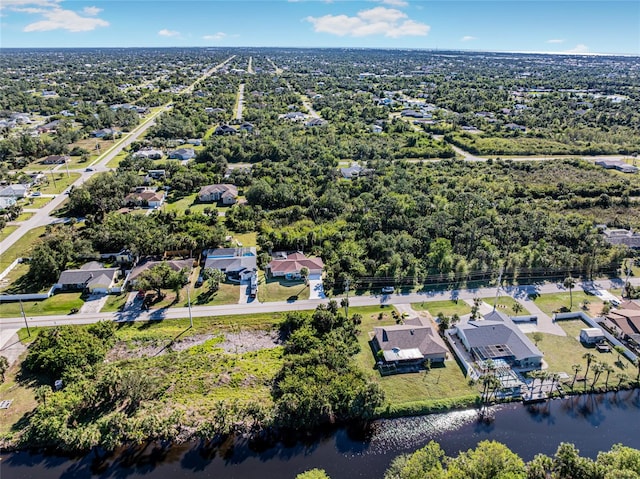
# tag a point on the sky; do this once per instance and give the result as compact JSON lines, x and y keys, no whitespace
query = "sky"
{"x":585,"y":26}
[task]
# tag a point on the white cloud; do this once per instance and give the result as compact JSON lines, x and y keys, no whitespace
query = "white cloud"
{"x":60,"y":19}
{"x":467,"y":38}
{"x":215,"y":36}
{"x":389,"y":22}
{"x":168,"y":33}
{"x":556,"y":40}
{"x":579,"y":48}
{"x":93,"y":11}
{"x":54,"y":17}
{"x":395,"y":3}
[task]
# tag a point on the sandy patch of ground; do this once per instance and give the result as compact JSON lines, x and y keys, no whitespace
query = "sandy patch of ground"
{"x":240,"y":342}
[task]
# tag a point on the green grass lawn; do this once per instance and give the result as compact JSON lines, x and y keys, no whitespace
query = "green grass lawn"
{"x":448,"y":308}
{"x":246,"y":239}
{"x":439,"y":384}
{"x":35,"y":202}
{"x":181,"y":204}
{"x":562,"y":352}
{"x":228,"y":293}
{"x":114,"y":302}
{"x":115,"y":161}
{"x":24,"y":216}
{"x":15,"y":281}
{"x":62,"y":182}
{"x":279,"y":289}
{"x":550,"y":303}
{"x":6,"y":231}
{"x":57,"y":304}
{"x":21,"y":248}
{"x":505,"y":304}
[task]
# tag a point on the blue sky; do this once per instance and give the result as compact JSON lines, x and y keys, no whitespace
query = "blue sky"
{"x":586,"y":26}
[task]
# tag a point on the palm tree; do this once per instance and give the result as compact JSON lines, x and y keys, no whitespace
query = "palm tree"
{"x":589,"y":357}
{"x":576,"y":369}
{"x":608,"y":369}
{"x":620,"y":350}
{"x":517,"y":308}
{"x":621,"y":377}
{"x":598,"y":369}
{"x":569,"y":283}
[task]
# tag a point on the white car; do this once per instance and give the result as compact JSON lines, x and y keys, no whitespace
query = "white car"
{"x":387,"y":290}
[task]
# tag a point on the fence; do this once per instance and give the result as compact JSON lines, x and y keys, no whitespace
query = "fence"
{"x":26,"y":296}
{"x":594,"y":324}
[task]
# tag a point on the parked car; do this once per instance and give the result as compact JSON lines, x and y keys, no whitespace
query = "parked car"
{"x":387,"y":290}
{"x":36,"y":193}
{"x":89,"y":169}
{"x":199,"y":281}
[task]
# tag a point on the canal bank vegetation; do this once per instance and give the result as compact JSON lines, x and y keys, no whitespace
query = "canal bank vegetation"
{"x":493,"y":460}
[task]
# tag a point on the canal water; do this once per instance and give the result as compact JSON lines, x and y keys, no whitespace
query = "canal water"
{"x":592,"y":422}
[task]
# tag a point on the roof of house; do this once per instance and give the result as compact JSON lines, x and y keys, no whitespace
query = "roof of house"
{"x":175,"y":265}
{"x":294,"y":262}
{"x":146,"y":195}
{"x":14,"y":190}
{"x":497,"y":336}
{"x":412,"y":340}
{"x":592,"y":332}
{"x":231,"y":259}
{"x":90,"y":277}
{"x":183,"y":152}
{"x":350,"y":172}
{"x":220,"y":188}
{"x":626,"y":318}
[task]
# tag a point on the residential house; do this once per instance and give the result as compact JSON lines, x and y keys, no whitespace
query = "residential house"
{"x":148,"y":263}
{"x":55,"y":160}
{"x":409,"y":344}
{"x":617,"y":165}
{"x":194,"y":141}
{"x":49,"y":127}
{"x":625,"y":321}
{"x":103,"y":132}
{"x":619,"y":236}
{"x":411,"y":114}
{"x":227,"y":194}
{"x":182,"y":154}
{"x":91,"y":277}
{"x":290,"y":266}
{"x":246,"y":126}
{"x":213,"y":111}
{"x":14,"y":191}
{"x":376,"y":128}
{"x":498,"y":337}
{"x":514,"y":127}
{"x":156,"y":174}
{"x":6,"y":201}
{"x":236,"y":263}
{"x":150,"y":153}
{"x":225,"y":130}
{"x":145,"y":198}
{"x":293,"y":116}
{"x":351,"y":172}
{"x":591,"y":335}
{"x":315,"y":122}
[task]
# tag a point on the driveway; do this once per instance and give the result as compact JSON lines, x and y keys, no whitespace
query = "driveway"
{"x":316,"y":289}
{"x":94,"y":303}
{"x":245,"y":284}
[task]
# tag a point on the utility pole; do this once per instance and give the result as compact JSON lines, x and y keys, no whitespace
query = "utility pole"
{"x":66,"y":163}
{"x":495,"y":302}
{"x":189,"y":306}
{"x":346,"y":304}
{"x":25,"y":319}
{"x":53,"y":178}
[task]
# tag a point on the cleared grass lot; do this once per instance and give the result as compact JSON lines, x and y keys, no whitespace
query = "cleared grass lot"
{"x":439,"y":387}
{"x":550,"y":303}
{"x":57,"y":304}
{"x":279,"y":289}
{"x":448,"y":308}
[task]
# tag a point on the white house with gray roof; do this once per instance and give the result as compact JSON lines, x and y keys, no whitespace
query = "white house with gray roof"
{"x":498,"y":337}
{"x":91,"y":277}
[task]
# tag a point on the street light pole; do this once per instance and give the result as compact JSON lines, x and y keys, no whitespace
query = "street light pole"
{"x":25,"y":319}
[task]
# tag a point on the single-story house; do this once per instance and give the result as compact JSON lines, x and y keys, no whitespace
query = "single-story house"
{"x":246,"y":126}
{"x":351,"y":172}
{"x":591,"y":335}
{"x":14,"y":191}
{"x":213,"y":111}
{"x":55,"y":160}
{"x":625,"y":320}
{"x":148,"y":263}
{"x":149,"y":198}
{"x":408,"y":344}
{"x":195,"y":141}
{"x":225,"y":130}
{"x":411,"y":114}
{"x":103,"y":132}
{"x":514,"y":127}
{"x":149,"y":153}
{"x":498,"y":337}
{"x":290,"y":265}
{"x":376,"y":128}
{"x":617,"y":165}
{"x":48,"y":127}
{"x":90,"y":277}
{"x":156,"y":174}
{"x":6,"y":201}
{"x":227,"y":194}
{"x":293,"y":116}
{"x":236,"y":263}
{"x":621,"y":236}
{"x":315,"y":122}
{"x":182,"y":154}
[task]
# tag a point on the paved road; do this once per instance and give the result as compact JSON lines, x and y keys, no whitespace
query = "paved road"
{"x":283,"y":306}
{"x":240,"y":103}
{"x":43,"y":216}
